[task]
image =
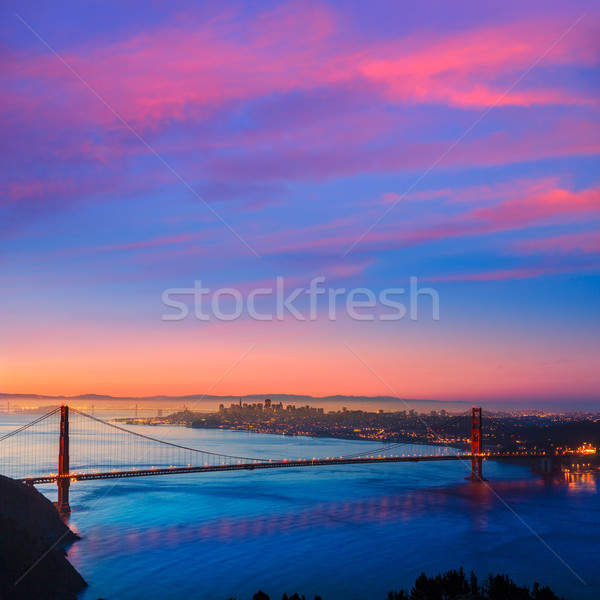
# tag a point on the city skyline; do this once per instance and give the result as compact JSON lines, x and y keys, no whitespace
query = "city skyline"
{"x":146,"y":150}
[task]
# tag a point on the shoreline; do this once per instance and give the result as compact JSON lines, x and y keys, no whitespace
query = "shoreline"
{"x":150,"y":423}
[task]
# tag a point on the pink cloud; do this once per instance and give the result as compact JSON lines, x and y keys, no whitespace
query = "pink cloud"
{"x":464,"y":68}
{"x":575,"y":243}
{"x":539,"y":207}
{"x":194,"y":73}
{"x":518,"y":273}
{"x":563,"y":137}
{"x":532,"y":204}
{"x":354,"y":268}
{"x":479,"y":194}
{"x":536,"y":207}
{"x":162,"y":240}
{"x":181,"y":71}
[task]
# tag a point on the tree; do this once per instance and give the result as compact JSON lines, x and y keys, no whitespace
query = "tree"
{"x":426,"y":588}
{"x":399,"y":595}
{"x":453,"y":583}
{"x":544,"y":593}
{"x":474,"y":584}
{"x":501,"y":587}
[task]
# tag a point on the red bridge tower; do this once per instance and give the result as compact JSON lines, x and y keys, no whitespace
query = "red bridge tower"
{"x":63,"y":480}
{"x":476,"y":446}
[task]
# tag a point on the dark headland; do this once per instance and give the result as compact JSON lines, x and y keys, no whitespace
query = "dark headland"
{"x":29,"y":528}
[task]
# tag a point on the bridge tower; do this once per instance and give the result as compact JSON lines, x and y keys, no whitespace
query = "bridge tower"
{"x":63,"y":480}
{"x":476,"y":446}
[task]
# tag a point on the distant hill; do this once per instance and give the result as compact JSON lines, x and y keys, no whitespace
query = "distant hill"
{"x":274,"y":397}
{"x":356,"y":402}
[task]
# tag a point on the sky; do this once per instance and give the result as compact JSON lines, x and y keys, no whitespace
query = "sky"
{"x":149,"y":146}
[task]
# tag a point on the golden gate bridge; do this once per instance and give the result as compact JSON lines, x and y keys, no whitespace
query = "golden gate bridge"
{"x":92,"y":449}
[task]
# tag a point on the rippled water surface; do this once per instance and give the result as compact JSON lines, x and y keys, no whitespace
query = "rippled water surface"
{"x":347,"y":532}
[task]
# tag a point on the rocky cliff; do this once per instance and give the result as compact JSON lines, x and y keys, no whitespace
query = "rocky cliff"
{"x":31,"y":528}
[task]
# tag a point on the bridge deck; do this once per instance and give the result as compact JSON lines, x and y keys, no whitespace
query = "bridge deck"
{"x":270,"y":465}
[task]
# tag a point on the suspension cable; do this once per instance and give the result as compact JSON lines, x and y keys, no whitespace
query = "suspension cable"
{"x":147,"y":437}
{"x":398,"y":444}
{"x":11,"y":433}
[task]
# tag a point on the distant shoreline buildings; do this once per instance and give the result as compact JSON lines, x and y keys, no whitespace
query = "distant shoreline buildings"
{"x":269,"y":407}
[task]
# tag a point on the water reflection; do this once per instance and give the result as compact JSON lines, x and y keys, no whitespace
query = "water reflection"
{"x":330,"y":515}
{"x":582,"y":482}
{"x":477,"y":502}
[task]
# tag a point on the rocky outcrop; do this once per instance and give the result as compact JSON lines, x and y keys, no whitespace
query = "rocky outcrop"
{"x":32,"y":542}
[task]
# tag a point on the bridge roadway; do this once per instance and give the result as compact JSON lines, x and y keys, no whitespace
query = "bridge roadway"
{"x":317,"y":462}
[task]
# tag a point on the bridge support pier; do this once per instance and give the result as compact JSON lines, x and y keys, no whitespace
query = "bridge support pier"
{"x":63,"y":481}
{"x":476,"y":447}
{"x":547,"y":465}
{"x":62,"y":505}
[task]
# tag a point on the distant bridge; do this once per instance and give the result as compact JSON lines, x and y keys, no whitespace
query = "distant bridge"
{"x":86,"y":447}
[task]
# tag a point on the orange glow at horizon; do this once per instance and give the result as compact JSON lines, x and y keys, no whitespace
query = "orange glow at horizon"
{"x":289,"y":357}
